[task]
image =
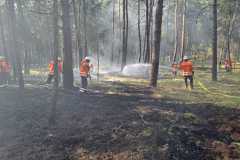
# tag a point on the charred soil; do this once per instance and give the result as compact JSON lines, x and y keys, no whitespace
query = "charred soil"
{"x":125,"y":124}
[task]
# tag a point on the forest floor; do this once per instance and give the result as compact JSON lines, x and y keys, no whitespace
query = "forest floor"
{"x":123,"y":119}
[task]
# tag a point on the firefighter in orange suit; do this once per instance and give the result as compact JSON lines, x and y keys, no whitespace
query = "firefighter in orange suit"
{"x":85,"y":72}
{"x":51,"y":70}
{"x":5,"y":70}
{"x":186,"y":67}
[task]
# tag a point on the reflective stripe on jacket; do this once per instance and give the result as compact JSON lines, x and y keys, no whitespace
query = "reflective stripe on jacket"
{"x":187,"y":68}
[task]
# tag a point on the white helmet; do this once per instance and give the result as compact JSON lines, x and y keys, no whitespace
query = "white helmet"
{"x":185,"y":58}
{"x":87,"y":58}
{"x":2,"y":58}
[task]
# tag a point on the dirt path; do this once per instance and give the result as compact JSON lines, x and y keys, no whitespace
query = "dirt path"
{"x":118,"y":124}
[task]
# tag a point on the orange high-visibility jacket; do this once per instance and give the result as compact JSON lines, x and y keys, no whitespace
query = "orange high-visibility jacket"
{"x":84,"y":68}
{"x":51,"y":67}
{"x":5,"y":66}
{"x":187,"y":68}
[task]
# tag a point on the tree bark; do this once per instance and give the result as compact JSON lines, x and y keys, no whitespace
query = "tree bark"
{"x":120,"y":30}
{"x":67,"y":39}
{"x":151,"y":32}
{"x":176,"y":32}
{"x":157,"y":42}
{"x":85,"y":28}
{"x":3,"y":36}
{"x":76,"y":11}
{"x":230,"y":31}
{"x":147,"y":31}
{"x":183,"y":46}
{"x":25,"y":36}
{"x":14,"y":50}
{"x":215,"y":42}
{"x":113,"y":32}
{"x":124,"y":33}
{"x":52,"y":119}
{"x":139,"y":31}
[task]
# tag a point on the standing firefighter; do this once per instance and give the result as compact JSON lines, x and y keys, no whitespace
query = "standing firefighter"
{"x":174,"y":69}
{"x":5,"y":70}
{"x":186,"y":67}
{"x":51,"y":70}
{"x":85,"y":72}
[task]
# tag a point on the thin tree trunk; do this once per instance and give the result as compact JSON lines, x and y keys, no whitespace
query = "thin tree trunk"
{"x":124,"y":53}
{"x":151,"y":29}
{"x":120,"y":30}
{"x":230,"y":32}
{"x":157,"y":42}
{"x":67,"y":36}
{"x":52,"y":119}
{"x":139,"y":31}
{"x":80,"y":36}
{"x":147,"y":54}
{"x":25,"y":36}
{"x":176,"y":32}
{"x":215,"y":42}
{"x":3,"y":37}
{"x":77,"y":43}
{"x":13,"y":36}
{"x":113,"y":32}
{"x":98,"y":59}
{"x":127,"y":22}
{"x":85,"y":28}
{"x":183,"y":29}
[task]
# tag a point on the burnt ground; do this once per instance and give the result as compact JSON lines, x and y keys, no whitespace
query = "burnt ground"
{"x":125,"y":124}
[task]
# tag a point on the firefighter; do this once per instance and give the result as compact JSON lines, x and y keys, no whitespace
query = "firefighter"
{"x":51,"y":70}
{"x":174,"y":69}
{"x":227,"y":65}
{"x":5,"y":70}
{"x":85,"y":72}
{"x":186,"y":67}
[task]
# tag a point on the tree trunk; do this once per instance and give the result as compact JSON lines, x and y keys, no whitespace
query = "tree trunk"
{"x":127,"y":21}
{"x":52,"y":119}
{"x":125,"y":35}
{"x":120,"y":31}
{"x":80,"y":36}
{"x":98,"y":59}
{"x":14,"y":51}
{"x":25,"y":37}
{"x":151,"y":30}
{"x":183,"y":28}
{"x":113,"y":32}
{"x":139,"y":31}
{"x":67,"y":39}
{"x":176,"y":32}
{"x":85,"y":28}
{"x":230,"y":31}
{"x":215,"y":42}
{"x":77,"y":30}
{"x":3,"y":37}
{"x":157,"y":42}
{"x":26,"y":62}
{"x":147,"y":54}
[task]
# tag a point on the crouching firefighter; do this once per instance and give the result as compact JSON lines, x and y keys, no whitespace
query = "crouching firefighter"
{"x":51,"y":70}
{"x":5,"y":70}
{"x":186,"y":67}
{"x":85,"y":72}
